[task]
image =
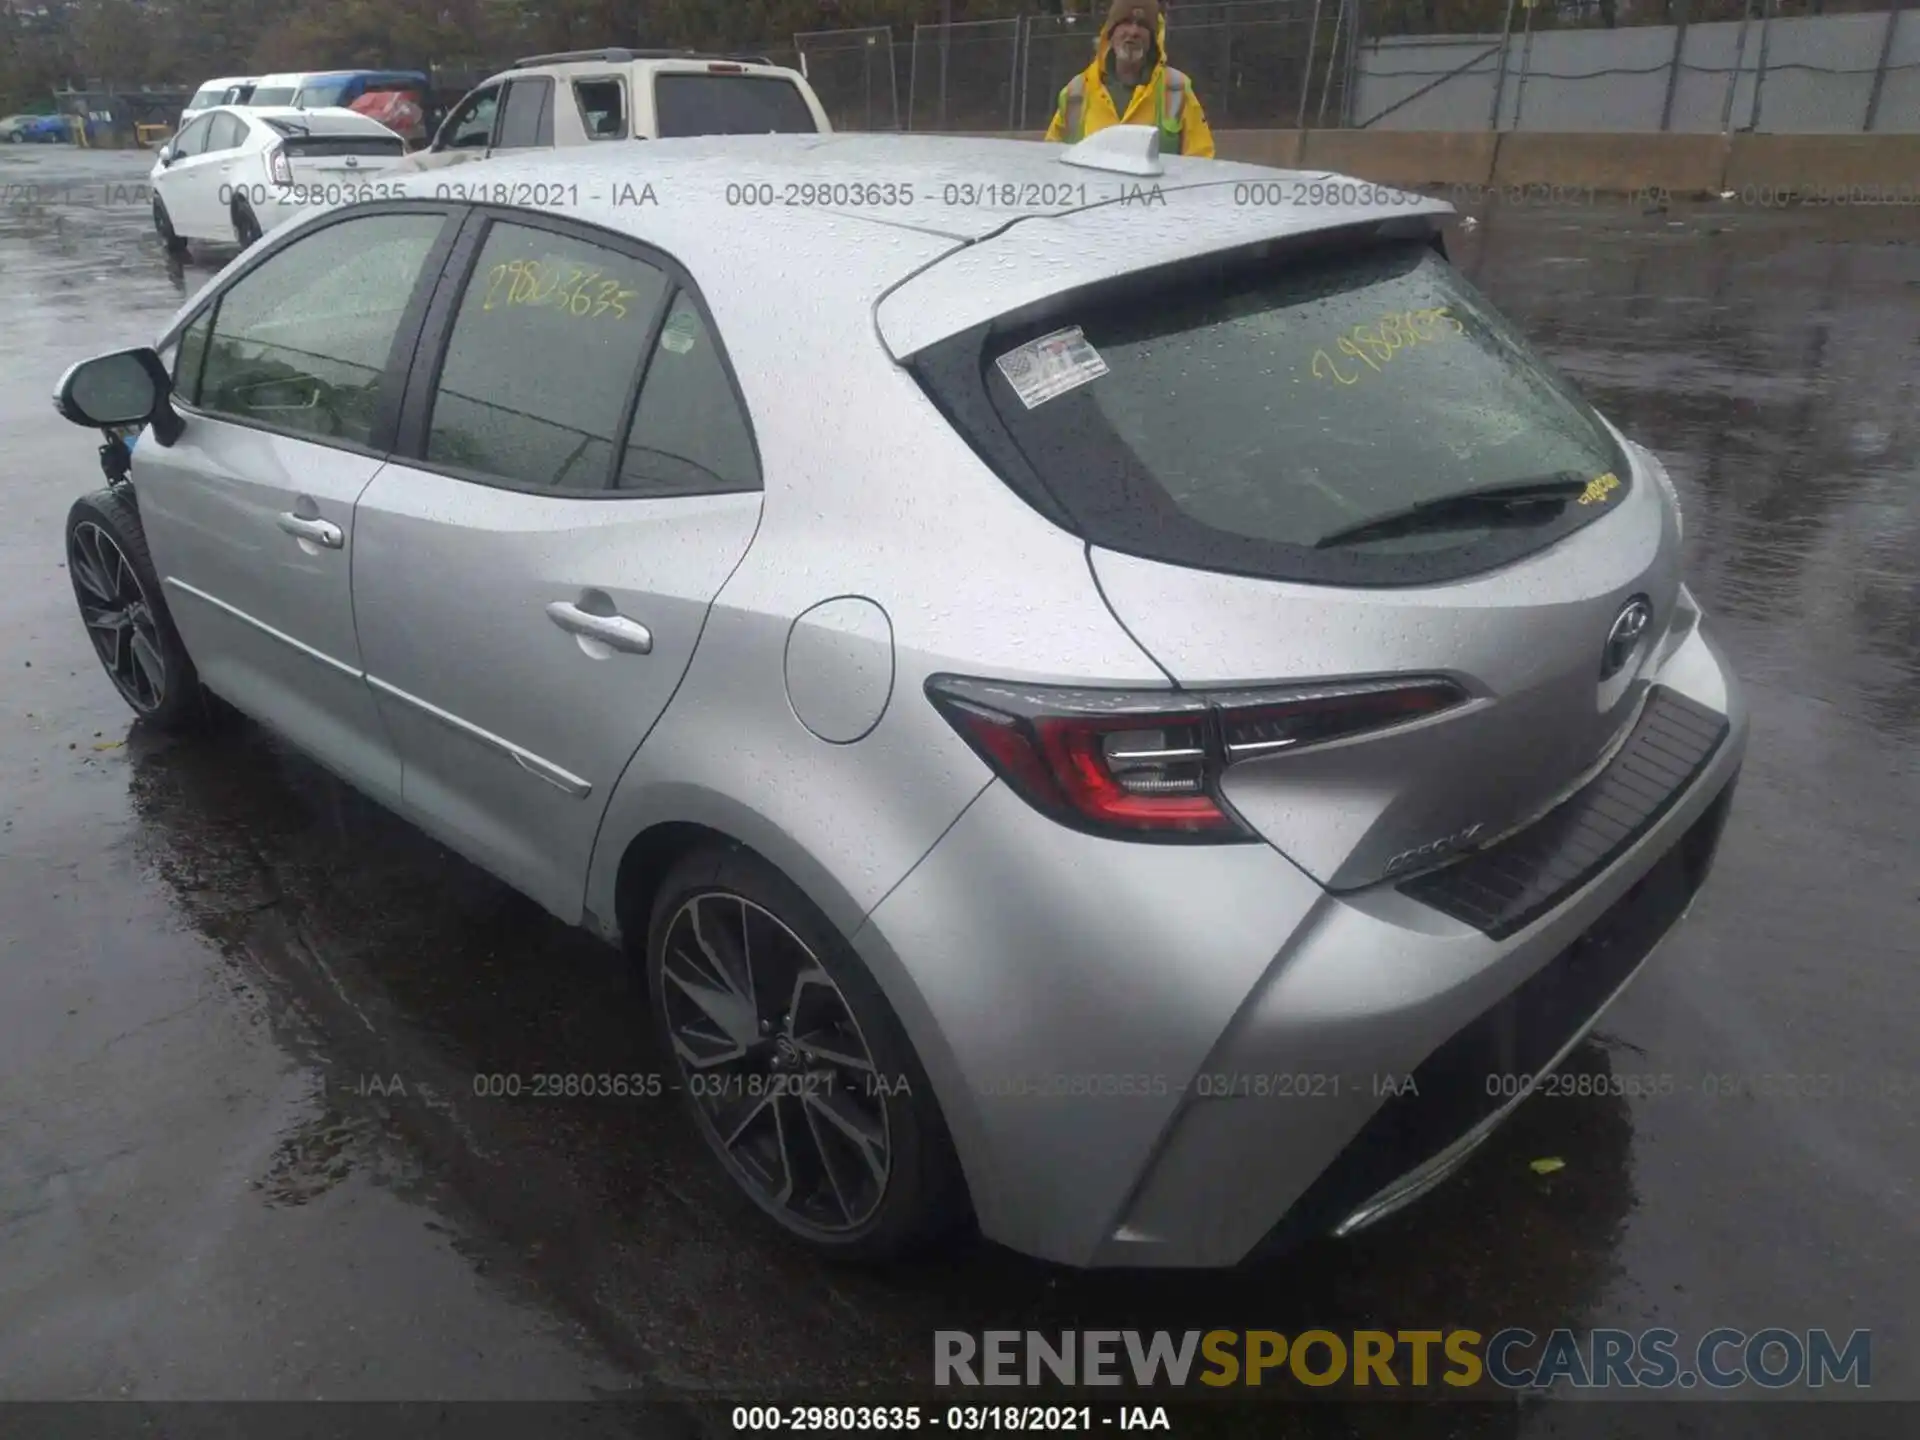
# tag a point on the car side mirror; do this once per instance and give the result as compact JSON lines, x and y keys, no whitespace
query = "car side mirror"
{"x":166,"y":155}
{"x":128,"y":387}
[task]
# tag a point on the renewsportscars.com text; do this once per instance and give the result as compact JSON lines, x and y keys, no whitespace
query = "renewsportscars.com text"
{"x":1511,"y":1358}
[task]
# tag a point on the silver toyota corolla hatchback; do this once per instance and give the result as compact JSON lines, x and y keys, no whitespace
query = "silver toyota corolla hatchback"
{"x":1114,"y":698}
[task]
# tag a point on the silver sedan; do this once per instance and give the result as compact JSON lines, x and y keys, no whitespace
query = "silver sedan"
{"x":1113,"y":700}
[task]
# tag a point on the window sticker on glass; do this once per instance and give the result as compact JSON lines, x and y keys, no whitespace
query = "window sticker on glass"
{"x":1048,"y":367}
{"x":679,"y":332}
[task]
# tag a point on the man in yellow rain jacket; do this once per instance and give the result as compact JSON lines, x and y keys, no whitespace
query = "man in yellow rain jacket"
{"x":1130,"y":61}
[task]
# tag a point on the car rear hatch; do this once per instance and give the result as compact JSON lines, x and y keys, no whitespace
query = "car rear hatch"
{"x":1266,"y":447}
{"x":343,"y":149}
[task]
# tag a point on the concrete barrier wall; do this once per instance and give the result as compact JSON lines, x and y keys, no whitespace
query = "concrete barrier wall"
{"x":1886,"y":167}
{"x":1680,"y":164}
{"x":1278,"y":148}
{"x":1402,"y":157}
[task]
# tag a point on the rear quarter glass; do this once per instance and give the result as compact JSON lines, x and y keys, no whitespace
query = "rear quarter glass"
{"x":1232,"y":415}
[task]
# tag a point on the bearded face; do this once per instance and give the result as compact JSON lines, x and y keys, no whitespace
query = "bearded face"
{"x":1131,"y":40}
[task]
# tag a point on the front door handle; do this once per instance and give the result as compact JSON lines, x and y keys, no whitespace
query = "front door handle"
{"x":612,"y":630}
{"x":320,"y":532}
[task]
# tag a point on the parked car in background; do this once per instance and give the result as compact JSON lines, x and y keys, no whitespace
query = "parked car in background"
{"x":402,"y":109}
{"x":343,"y":87}
{"x":227,"y":90}
{"x":34,"y":129}
{"x":327,"y":89}
{"x":1063,"y":701}
{"x":578,"y":97}
{"x":237,"y":171}
{"x":280,"y":88}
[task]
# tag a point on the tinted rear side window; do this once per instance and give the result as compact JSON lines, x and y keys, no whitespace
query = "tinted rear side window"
{"x":1238,"y":417}
{"x":729,"y":105}
{"x":527,"y":116}
{"x":227,"y":133}
{"x":279,"y":95}
{"x":603,"y":107}
{"x":689,"y":435}
{"x":544,"y":358}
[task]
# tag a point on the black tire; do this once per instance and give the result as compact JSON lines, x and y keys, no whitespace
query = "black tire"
{"x":163,"y":225}
{"x":923,"y":1199}
{"x":246,"y":225}
{"x":126,"y":615}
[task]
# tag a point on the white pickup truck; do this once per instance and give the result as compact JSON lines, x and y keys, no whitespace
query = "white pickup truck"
{"x":580,"y":97}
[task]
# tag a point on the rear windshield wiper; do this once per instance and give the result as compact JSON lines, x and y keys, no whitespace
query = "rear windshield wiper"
{"x":1462,"y":505}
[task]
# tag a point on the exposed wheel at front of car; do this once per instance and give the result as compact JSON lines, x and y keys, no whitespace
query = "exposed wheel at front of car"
{"x":126,"y":617}
{"x":796,"y":1071}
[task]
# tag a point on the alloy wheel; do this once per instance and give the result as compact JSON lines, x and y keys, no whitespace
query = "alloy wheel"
{"x":781,"y":1077}
{"x":119,"y":616}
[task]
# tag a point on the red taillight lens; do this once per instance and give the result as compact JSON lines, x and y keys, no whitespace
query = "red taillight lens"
{"x":279,"y":168}
{"x":1147,"y":764}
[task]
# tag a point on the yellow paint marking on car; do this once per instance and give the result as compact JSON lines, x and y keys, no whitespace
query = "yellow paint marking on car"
{"x":1599,"y":488}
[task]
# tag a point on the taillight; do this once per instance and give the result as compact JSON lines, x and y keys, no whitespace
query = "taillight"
{"x":1147,"y":765}
{"x":279,"y":168}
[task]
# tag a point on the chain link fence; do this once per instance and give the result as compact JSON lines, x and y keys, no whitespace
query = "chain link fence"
{"x":1782,"y":66}
{"x":965,"y":76}
{"x":1689,"y":66}
{"x":1685,"y":66}
{"x":854,"y":74}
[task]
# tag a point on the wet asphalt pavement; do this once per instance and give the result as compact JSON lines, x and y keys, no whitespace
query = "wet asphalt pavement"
{"x":242,"y":1010}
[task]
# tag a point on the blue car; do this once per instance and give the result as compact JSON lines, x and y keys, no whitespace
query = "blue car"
{"x":41,"y":129}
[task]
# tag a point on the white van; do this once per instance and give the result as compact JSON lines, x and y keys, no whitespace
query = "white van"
{"x":271,"y":91}
{"x":227,"y":90}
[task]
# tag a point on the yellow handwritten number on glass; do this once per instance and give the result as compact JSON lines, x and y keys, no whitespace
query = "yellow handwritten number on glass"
{"x":1375,"y":345}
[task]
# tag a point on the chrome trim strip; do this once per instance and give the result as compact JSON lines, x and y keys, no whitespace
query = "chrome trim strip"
{"x":1248,"y":748}
{"x":1429,"y":1175}
{"x":265,"y":629}
{"x":546,"y":770}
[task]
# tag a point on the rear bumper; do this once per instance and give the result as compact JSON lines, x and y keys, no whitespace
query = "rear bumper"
{"x":1462,"y":1092}
{"x":1173,"y":1056}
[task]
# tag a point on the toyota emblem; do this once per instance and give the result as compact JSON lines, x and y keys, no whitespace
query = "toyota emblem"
{"x":1624,"y":638}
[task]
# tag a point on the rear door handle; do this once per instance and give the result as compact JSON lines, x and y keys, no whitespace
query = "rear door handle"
{"x":320,"y":532}
{"x":614,"y":630}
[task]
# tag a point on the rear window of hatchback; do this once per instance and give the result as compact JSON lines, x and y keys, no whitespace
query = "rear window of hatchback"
{"x":1242,"y":414}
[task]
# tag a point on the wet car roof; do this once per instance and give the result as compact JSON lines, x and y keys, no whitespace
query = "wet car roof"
{"x":834,"y":199}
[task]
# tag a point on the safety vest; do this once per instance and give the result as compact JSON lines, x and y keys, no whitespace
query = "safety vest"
{"x":1170,"y":95}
